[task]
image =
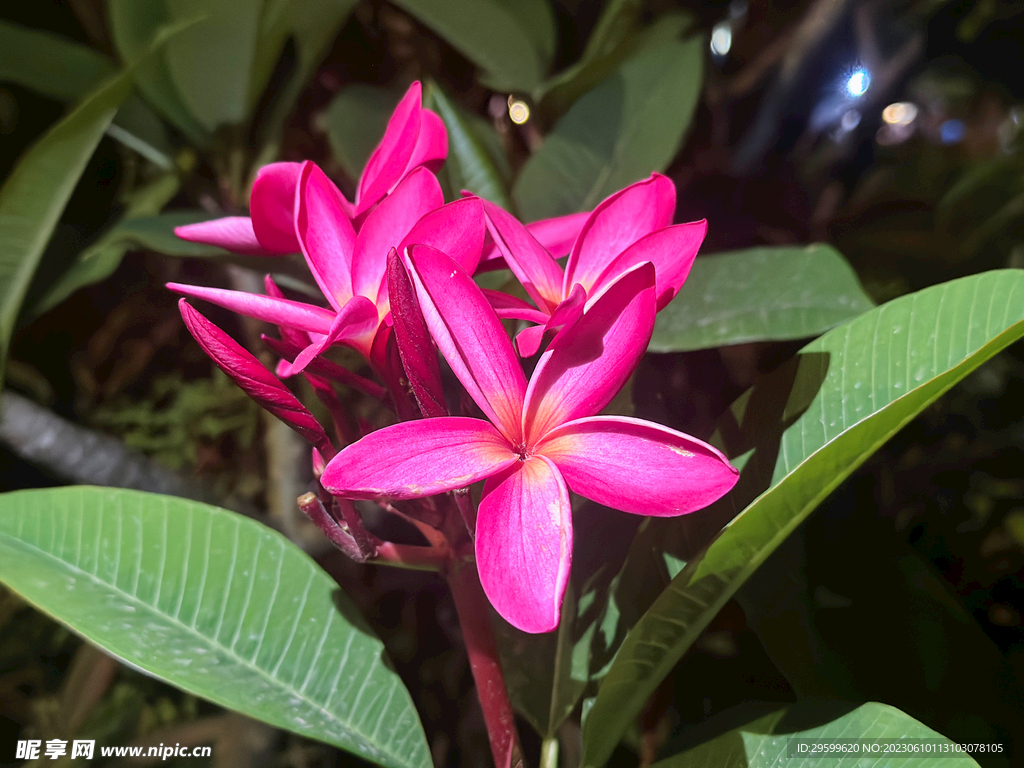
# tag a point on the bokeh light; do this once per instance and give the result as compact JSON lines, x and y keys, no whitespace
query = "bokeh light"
{"x":858,"y":82}
{"x":900,"y":113}
{"x":518,"y":111}
{"x":721,"y":38}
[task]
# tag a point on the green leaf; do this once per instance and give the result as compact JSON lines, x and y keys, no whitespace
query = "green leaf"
{"x":505,"y":38}
{"x":760,"y":294}
{"x":473,"y":151}
{"x":156,"y":233}
{"x":616,"y":38}
{"x":133,"y":27}
{"x":34,"y":195}
{"x":49,"y":64}
{"x":356,"y":119}
{"x":545,"y":674}
{"x":627,"y":127}
{"x":765,"y":742}
{"x":98,"y":261}
{"x":313,"y":24}
{"x":65,"y":70}
{"x":215,"y":604}
{"x":537,"y":20}
{"x":800,"y":432}
{"x":211,"y":61}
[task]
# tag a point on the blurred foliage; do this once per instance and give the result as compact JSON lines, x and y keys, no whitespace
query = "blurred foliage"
{"x":179,"y":417}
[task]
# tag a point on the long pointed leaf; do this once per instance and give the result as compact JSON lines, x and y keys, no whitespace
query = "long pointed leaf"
{"x":49,"y":64}
{"x":809,"y":425}
{"x":213,"y":603}
{"x":34,"y":195}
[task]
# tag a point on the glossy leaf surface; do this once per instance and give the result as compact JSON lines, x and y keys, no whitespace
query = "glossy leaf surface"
{"x":797,"y":435}
{"x":213,"y":603}
{"x":760,"y":294}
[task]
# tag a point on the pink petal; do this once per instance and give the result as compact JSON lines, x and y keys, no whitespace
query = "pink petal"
{"x":556,"y":235}
{"x":418,"y":458}
{"x":432,"y":143}
{"x":524,"y":544}
{"x":532,"y":265}
{"x":509,"y":307}
{"x":390,"y":160}
{"x":272,"y":206}
{"x":355,"y":325}
{"x":638,"y":466}
{"x":671,"y":250}
{"x":326,"y":368}
{"x":616,"y":224}
{"x":419,"y":357}
{"x":528,"y":340}
{"x":304,"y":317}
{"x":255,"y":380}
{"x":470,"y":337}
{"x":325,"y":235}
{"x":588,"y":363}
{"x":456,"y":229}
{"x":292,"y":336}
{"x":232,"y":233}
{"x":387,"y":225}
{"x":566,"y":314}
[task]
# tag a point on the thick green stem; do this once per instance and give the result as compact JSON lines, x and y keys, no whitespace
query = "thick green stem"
{"x":549,"y":752}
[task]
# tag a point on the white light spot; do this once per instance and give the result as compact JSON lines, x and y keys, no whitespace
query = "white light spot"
{"x":721,"y":38}
{"x":858,"y":82}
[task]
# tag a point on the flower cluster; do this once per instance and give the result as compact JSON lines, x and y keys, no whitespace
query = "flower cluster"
{"x":396,"y":270}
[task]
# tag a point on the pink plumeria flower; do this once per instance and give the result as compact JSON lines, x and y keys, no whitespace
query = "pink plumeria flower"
{"x":349,"y":267}
{"x":540,"y":439}
{"x":631,"y":227}
{"x":415,"y":137}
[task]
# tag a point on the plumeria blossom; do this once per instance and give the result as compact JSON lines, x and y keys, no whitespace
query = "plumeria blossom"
{"x":540,"y":437}
{"x":631,"y":227}
{"x":415,"y":137}
{"x":350,"y":267}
